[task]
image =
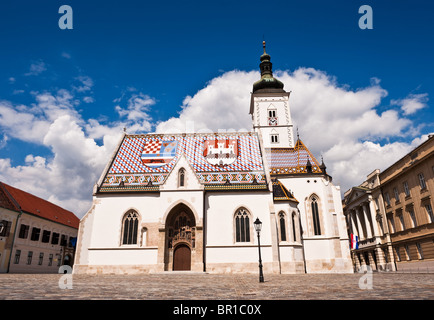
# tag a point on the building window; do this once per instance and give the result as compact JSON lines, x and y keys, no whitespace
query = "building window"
{"x":55,"y":238}
{"x":422,"y":181}
{"x":407,"y":252}
{"x":428,"y":209}
{"x":413,"y":217}
{"x":274,"y":138}
{"x":29,"y":257}
{"x":315,"y":216}
{"x":5,"y":227}
{"x":41,"y":258}
{"x":398,"y":254}
{"x":395,"y":192}
{"x":419,"y":250}
{"x":63,"y":240}
{"x":391,"y":224}
{"x":130,"y":227}
{"x":46,"y":236}
{"x":242,"y":226}
{"x":272,"y":113}
{"x":387,"y":197}
{"x":17,"y":256}
{"x":406,"y":189}
{"x":24,"y":231}
{"x":282,"y":224}
{"x":401,"y":220}
{"x":50,"y":260}
{"x":59,"y":259}
{"x":35,"y":234}
{"x":181,"y":177}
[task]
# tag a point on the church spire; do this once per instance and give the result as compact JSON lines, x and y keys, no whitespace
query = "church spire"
{"x":267,"y":83}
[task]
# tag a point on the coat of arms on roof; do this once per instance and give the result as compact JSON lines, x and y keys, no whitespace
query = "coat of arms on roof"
{"x":220,"y":152}
{"x":157,"y":153}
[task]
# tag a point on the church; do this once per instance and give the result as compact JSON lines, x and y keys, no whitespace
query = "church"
{"x":172,"y":202}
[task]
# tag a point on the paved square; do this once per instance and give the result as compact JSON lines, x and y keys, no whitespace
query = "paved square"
{"x":202,"y":286}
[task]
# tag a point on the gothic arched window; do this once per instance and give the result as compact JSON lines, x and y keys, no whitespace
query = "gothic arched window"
{"x":181,"y":177}
{"x":282,"y":224}
{"x":130,"y":226}
{"x":242,"y":226}
{"x":315,"y":216}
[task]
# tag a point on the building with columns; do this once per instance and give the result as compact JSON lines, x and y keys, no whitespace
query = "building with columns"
{"x":392,"y":214}
{"x":172,"y":202}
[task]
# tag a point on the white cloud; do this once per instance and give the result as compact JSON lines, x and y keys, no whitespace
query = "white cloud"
{"x":66,"y":55}
{"x":36,"y":68}
{"x":412,"y":103}
{"x":86,"y":84}
{"x":137,"y":112}
{"x":88,"y":99}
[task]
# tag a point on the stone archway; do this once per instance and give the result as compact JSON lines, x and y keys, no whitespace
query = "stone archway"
{"x":183,"y":240}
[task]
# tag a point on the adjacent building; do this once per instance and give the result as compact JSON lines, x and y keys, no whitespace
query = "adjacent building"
{"x":392,"y":214}
{"x":36,"y":236}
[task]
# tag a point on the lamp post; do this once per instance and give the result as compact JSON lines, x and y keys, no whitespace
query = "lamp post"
{"x":258,"y":227}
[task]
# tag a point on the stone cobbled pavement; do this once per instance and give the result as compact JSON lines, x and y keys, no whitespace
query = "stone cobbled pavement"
{"x":203,"y":286}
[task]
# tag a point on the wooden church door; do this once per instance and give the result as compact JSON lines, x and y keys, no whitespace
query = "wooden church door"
{"x":182,"y":258}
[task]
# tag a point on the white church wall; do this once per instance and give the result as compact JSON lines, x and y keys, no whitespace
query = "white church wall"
{"x":223,"y":253}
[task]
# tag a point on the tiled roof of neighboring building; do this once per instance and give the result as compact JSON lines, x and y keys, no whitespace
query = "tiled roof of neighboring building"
{"x":32,"y":204}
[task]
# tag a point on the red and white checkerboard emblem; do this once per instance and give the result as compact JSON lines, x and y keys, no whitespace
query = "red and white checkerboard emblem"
{"x":157,"y":153}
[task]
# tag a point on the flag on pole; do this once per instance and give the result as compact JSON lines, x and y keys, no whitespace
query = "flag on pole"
{"x":354,"y":241}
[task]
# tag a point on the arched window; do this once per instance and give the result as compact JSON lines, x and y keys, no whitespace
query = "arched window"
{"x":130,"y":226}
{"x":181,"y":177}
{"x":242,"y":226}
{"x":315,"y":216}
{"x":282,"y":224}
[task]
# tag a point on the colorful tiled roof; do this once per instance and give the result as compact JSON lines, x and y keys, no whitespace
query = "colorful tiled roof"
{"x":32,"y":204}
{"x":292,"y":160}
{"x":143,"y":162}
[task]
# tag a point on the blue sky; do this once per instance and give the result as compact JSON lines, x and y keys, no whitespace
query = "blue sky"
{"x":149,"y":56}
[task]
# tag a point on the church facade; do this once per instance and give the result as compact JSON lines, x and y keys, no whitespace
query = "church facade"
{"x":168,"y":202}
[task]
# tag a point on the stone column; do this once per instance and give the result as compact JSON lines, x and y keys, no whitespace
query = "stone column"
{"x":354,"y":222}
{"x":374,"y":217}
{"x":366,"y":216}
{"x":360,"y":222}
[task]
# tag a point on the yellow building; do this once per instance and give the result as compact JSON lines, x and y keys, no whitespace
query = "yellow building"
{"x":391,"y":213}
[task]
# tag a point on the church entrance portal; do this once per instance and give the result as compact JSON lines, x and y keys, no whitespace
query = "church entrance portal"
{"x":180,"y":238}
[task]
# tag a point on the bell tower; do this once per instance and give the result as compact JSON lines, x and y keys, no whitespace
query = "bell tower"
{"x":269,"y":107}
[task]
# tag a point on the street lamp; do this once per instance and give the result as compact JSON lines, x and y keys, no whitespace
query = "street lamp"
{"x":258,"y":227}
